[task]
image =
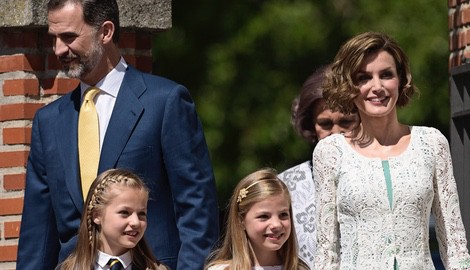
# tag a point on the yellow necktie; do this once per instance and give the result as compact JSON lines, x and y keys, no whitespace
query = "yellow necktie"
{"x":88,"y":140}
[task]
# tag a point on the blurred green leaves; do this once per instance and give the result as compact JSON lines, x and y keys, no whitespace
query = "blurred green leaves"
{"x":244,"y":62}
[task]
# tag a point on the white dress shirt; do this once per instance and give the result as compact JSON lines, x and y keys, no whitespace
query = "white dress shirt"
{"x":103,"y":259}
{"x":106,"y":98}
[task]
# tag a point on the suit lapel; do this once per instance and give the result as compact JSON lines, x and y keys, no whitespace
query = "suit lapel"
{"x":66,"y":136}
{"x":126,"y":113}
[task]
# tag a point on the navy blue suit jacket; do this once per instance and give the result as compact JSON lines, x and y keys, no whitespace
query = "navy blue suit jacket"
{"x":155,"y":132}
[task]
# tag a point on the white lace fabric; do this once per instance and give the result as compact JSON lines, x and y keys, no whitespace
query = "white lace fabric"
{"x":299,"y":181}
{"x":357,"y":228}
{"x":224,"y":266}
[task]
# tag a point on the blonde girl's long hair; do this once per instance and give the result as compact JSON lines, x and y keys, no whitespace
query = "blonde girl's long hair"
{"x":236,"y":249}
{"x":88,"y":243}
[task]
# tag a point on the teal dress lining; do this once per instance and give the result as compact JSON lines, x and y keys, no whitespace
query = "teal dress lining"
{"x":388,"y":182}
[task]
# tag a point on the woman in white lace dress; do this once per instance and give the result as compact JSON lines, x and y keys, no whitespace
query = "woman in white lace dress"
{"x":313,"y":121}
{"x":377,"y":189}
{"x":259,"y":234}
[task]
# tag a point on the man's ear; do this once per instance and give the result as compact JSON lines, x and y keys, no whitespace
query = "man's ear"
{"x":108,"y":32}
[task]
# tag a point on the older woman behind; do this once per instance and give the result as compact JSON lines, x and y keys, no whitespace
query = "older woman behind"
{"x":313,"y":121}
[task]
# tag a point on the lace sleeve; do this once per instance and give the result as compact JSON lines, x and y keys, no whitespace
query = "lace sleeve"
{"x":449,"y":226}
{"x":326,"y":160}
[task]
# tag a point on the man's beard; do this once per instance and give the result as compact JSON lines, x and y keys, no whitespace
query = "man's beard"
{"x":85,"y":64}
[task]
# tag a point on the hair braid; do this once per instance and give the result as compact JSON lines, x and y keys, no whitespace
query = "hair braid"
{"x":97,"y":199}
{"x":99,"y":196}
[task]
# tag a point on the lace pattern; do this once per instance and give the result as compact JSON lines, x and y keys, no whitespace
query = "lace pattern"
{"x":299,"y":181}
{"x":352,"y":205}
{"x":224,"y":266}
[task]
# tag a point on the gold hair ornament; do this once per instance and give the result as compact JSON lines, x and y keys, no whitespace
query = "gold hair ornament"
{"x":244,"y":191}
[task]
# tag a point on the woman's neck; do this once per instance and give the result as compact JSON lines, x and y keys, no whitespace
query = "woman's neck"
{"x":381,"y":137}
{"x":385,"y":133}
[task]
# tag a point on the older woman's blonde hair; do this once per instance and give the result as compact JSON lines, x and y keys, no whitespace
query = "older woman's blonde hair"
{"x":236,"y":249}
{"x":340,"y":87}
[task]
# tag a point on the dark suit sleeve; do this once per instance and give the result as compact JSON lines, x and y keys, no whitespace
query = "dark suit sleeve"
{"x":38,"y":244}
{"x":191,"y":178}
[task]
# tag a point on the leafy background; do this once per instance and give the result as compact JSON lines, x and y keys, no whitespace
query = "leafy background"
{"x":244,"y":62}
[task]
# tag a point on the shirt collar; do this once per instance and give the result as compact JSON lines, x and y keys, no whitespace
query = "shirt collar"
{"x":111,"y":83}
{"x":125,"y":259}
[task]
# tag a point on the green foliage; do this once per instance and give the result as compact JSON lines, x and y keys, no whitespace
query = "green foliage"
{"x":244,"y":62}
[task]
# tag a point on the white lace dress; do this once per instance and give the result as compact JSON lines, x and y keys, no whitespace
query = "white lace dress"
{"x":299,"y":181}
{"x":359,"y":228}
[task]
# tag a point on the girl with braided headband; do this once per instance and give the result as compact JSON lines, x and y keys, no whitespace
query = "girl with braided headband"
{"x":113,"y":225}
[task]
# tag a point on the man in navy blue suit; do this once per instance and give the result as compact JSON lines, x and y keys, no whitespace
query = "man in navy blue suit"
{"x":147,"y":124}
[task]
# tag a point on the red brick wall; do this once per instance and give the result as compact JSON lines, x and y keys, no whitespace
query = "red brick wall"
{"x":459,"y":33}
{"x":29,"y":79}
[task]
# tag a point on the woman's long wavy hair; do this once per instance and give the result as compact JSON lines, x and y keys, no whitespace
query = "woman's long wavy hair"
{"x":236,"y":248}
{"x":340,"y":86}
{"x":99,"y":196}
